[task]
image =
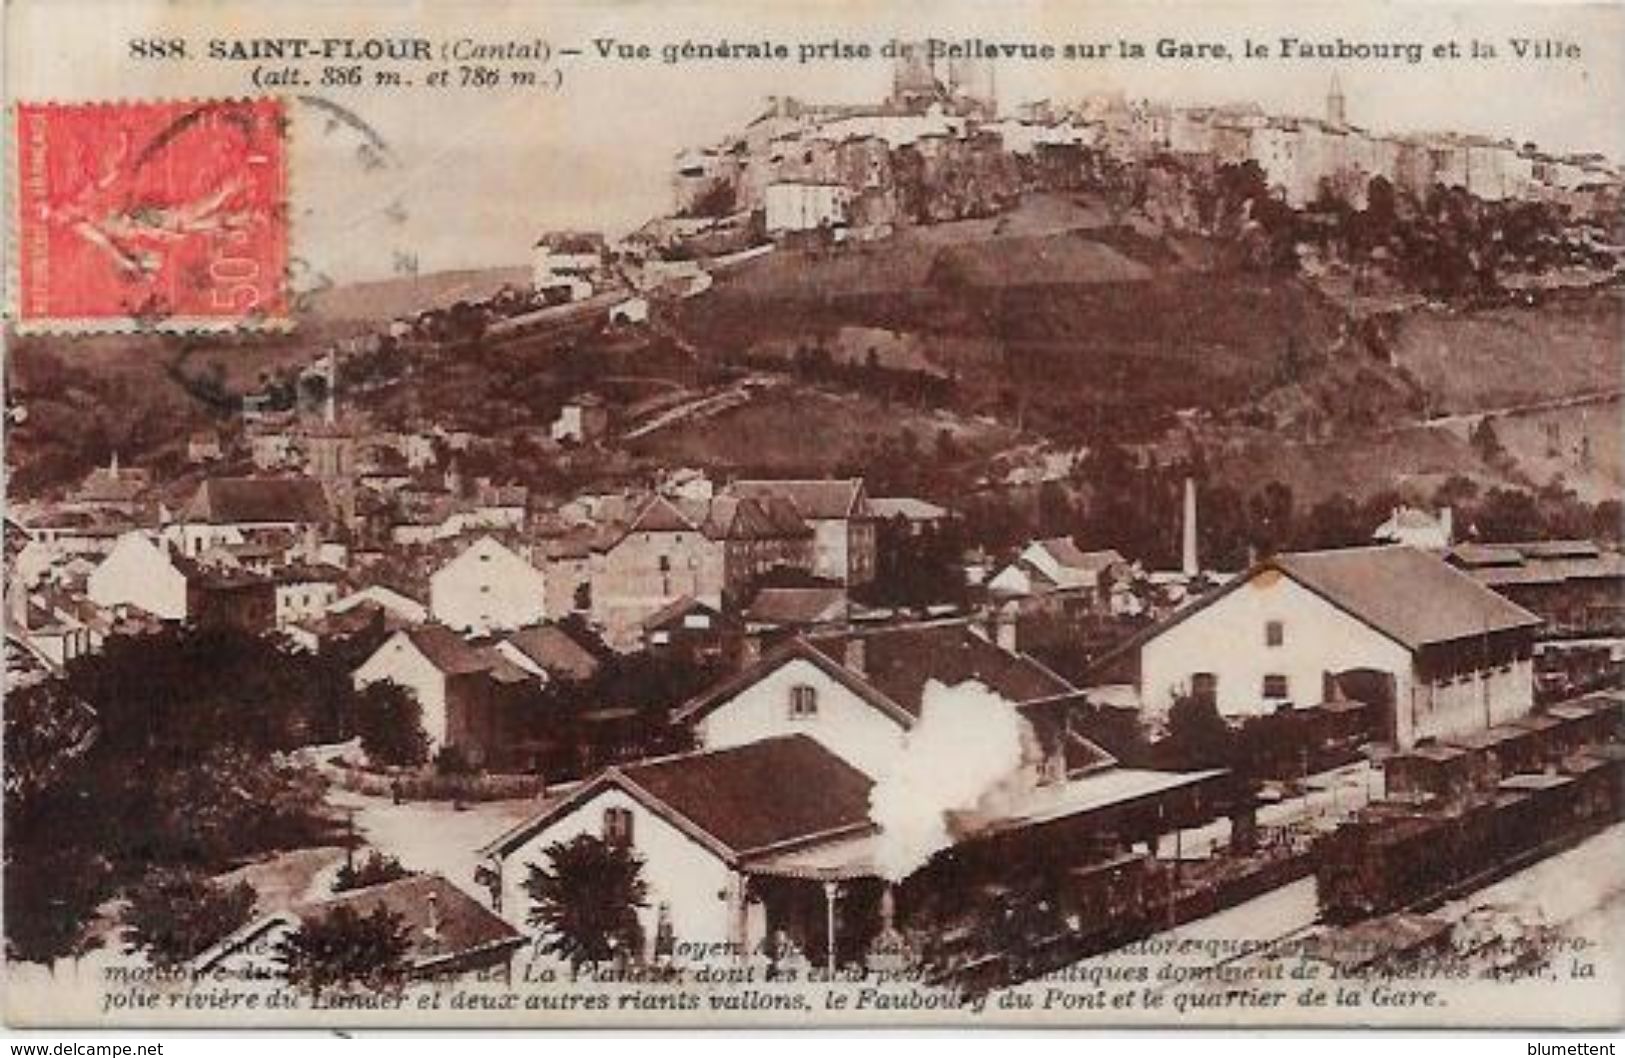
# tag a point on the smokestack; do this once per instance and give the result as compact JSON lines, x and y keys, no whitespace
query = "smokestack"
{"x":331,"y":413}
{"x":1188,"y":561}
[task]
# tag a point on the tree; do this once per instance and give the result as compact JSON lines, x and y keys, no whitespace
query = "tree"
{"x":389,"y":721}
{"x":176,"y":914}
{"x":1487,"y":442}
{"x":1198,"y":736}
{"x":1334,"y":522}
{"x":376,"y":869}
{"x":586,"y":900}
{"x":46,"y":729}
{"x":345,"y":949}
{"x":1506,"y":515}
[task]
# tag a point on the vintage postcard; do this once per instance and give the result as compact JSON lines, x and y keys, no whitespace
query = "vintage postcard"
{"x":1065,"y":513}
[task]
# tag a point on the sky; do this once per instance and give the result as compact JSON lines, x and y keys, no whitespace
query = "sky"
{"x":475,"y":175}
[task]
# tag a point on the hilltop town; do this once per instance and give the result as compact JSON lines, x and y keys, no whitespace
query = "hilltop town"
{"x":956,"y":537}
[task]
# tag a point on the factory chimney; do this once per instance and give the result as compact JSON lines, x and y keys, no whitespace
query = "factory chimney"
{"x":1188,"y":562}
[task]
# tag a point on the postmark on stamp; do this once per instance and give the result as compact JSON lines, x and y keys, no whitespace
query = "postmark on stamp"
{"x":170,"y":214}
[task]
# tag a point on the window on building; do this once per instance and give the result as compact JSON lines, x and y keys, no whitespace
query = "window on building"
{"x":1275,"y":686}
{"x":618,"y":827}
{"x":1274,"y":634}
{"x":803,"y":702}
{"x":1205,"y":687}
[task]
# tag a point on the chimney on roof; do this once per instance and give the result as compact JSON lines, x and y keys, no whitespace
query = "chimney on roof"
{"x":432,"y":930}
{"x":1004,"y":629}
{"x":1189,"y":563}
{"x":855,"y":656}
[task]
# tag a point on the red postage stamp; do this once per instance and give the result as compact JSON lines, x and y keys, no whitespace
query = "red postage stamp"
{"x":164,"y":213}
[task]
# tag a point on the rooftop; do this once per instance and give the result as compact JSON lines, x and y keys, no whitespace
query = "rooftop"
{"x":224,"y":501}
{"x":733,"y":800}
{"x":818,"y":499}
{"x":555,"y":650}
{"x":1412,"y":597}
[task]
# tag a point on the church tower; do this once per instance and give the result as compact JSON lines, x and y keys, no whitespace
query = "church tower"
{"x":1336,"y":110}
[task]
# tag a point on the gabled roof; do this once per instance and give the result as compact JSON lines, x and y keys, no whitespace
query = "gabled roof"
{"x":733,"y":518}
{"x":733,"y":800}
{"x":676,"y":609}
{"x":797,"y":606}
{"x":462,"y":925}
{"x":897,"y":662}
{"x":227,"y":501}
{"x":441,"y":921}
{"x":819,"y":499}
{"x":113,"y":485}
{"x":446,"y":650}
{"x":455,"y":656}
{"x":555,"y":651}
{"x":1408,"y":595}
{"x":1070,"y":555}
{"x":907,"y":507}
{"x":661,"y":515}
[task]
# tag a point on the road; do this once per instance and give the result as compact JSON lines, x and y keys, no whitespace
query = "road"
{"x":431,"y":835}
{"x":1466,"y":420}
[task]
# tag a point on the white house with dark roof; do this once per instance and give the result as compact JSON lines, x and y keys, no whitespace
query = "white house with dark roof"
{"x":226,"y":511}
{"x":1056,"y":565}
{"x":858,"y":693}
{"x":486,"y":588}
{"x":1298,"y":627}
{"x":458,"y":685}
{"x":768,"y":831}
{"x":698,"y":822}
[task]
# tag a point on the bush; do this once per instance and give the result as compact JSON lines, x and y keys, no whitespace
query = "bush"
{"x":345,"y":949}
{"x":389,"y":722}
{"x":177,"y":914}
{"x":376,"y":869}
{"x":452,"y":761}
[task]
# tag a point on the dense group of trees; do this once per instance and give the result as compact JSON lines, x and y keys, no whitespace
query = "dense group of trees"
{"x":165,"y":753}
{"x":916,"y":568}
{"x":1447,"y":242}
{"x":623,"y":710}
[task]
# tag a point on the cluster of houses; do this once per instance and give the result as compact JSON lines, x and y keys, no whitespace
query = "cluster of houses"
{"x":811,"y":167}
{"x":765,"y":835}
